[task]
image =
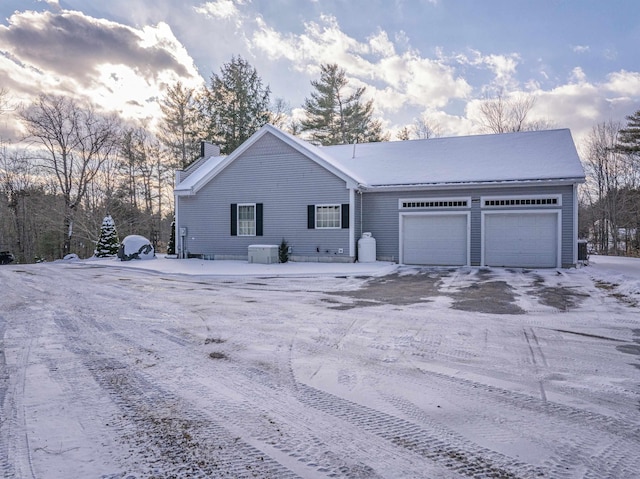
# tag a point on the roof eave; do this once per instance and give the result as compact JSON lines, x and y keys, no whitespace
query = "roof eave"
{"x":300,"y":147}
{"x":472,"y":184}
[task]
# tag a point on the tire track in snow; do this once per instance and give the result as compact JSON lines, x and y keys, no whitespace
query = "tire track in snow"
{"x":291,"y":428}
{"x":309,"y":452}
{"x":460,"y":456}
{"x":19,"y":460}
{"x":585,"y":432}
{"x":165,"y":435}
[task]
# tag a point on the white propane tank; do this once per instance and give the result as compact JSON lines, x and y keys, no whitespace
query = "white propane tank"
{"x":367,"y":248}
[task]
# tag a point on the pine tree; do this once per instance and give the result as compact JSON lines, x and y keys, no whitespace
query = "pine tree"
{"x":171,"y":246}
{"x":237,"y":104}
{"x":629,"y":137}
{"x":108,"y":242}
{"x":334,"y":116}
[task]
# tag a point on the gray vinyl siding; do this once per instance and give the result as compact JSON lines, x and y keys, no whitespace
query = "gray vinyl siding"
{"x":381,"y":216}
{"x":285,"y":182}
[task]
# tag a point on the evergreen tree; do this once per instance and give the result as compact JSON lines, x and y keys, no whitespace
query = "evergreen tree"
{"x":334,"y":116}
{"x":171,"y":246}
{"x":108,"y":242}
{"x":629,"y":137}
{"x":237,"y":104}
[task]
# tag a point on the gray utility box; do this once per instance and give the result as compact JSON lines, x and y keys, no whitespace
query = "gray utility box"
{"x":263,"y":253}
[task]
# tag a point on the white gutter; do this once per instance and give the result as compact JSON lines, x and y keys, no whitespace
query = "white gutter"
{"x":575,"y":224}
{"x":482,"y":184}
{"x":352,"y":222}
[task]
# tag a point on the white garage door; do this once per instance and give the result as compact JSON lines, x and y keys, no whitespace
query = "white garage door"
{"x":525,"y":240}
{"x":435,"y":239}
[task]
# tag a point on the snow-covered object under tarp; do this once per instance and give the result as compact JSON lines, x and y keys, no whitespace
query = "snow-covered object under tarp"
{"x":135,"y":247}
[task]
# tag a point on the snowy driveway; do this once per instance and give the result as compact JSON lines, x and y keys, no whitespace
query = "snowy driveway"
{"x":121,"y":373}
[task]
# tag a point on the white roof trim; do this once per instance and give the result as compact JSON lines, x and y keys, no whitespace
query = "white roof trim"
{"x":472,"y":184}
{"x":512,"y":159}
{"x":187,"y":187}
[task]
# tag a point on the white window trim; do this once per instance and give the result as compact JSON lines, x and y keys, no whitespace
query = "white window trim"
{"x":401,"y":202}
{"x":333,"y":205}
{"x":238,"y":218}
{"x":556,"y":197}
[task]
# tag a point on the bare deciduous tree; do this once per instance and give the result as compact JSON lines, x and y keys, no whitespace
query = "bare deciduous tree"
{"x":77,"y":141}
{"x":5,"y":101}
{"x":424,"y":128}
{"x":606,"y":170}
{"x":280,"y":114}
{"x":182,"y":124}
{"x":143,"y":178}
{"x":503,"y":114}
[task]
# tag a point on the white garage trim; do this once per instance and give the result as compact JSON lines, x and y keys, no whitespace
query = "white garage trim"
{"x":466,"y":215}
{"x":431,"y":203}
{"x":558,"y":241}
{"x":518,"y":201}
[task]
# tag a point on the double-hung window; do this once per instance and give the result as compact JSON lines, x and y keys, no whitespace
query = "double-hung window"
{"x":247,"y":220}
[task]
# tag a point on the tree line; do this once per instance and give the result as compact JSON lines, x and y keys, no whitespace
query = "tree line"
{"x":610,"y":202}
{"x":76,"y":165}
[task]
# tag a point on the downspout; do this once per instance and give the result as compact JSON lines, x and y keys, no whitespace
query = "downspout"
{"x":352,"y":222}
{"x":176,"y":227}
{"x":360,"y":191}
{"x":575,"y":224}
{"x":179,"y":246}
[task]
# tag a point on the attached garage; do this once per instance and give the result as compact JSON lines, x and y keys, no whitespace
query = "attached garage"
{"x":526,"y":239}
{"x":435,"y":239}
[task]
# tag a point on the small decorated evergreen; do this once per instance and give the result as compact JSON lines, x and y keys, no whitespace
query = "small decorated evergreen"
{"x":283,"y":251}
{"x":108,"y":242}
{"x":171,"y":246}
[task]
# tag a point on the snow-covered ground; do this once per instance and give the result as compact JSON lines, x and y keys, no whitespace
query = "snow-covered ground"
{"x":185,"y":368}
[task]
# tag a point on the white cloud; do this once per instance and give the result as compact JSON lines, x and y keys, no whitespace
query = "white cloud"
{"x":53,"y":3}
{"x":624,"y":83}
{"x":578,"y":75}
{"x":117,"y":67}
{"x":381,"y":45}
{"x":580,"y":104}
{"x":503,"y":67}
{"x":581,"y":48}
{"x":393,"y":79}
{"x":224,"y":9}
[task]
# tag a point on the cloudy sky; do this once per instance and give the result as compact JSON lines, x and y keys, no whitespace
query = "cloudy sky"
{"x":432,"y":58}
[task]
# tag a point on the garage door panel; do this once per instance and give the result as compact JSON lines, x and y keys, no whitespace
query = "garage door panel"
{"x":435,"y":240}
{"x":521,"y":240}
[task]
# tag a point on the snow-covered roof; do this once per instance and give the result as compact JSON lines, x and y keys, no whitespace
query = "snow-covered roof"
{"x":207,"y":166}
{"x":216,"y":164}
{"x":509,"y":157}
